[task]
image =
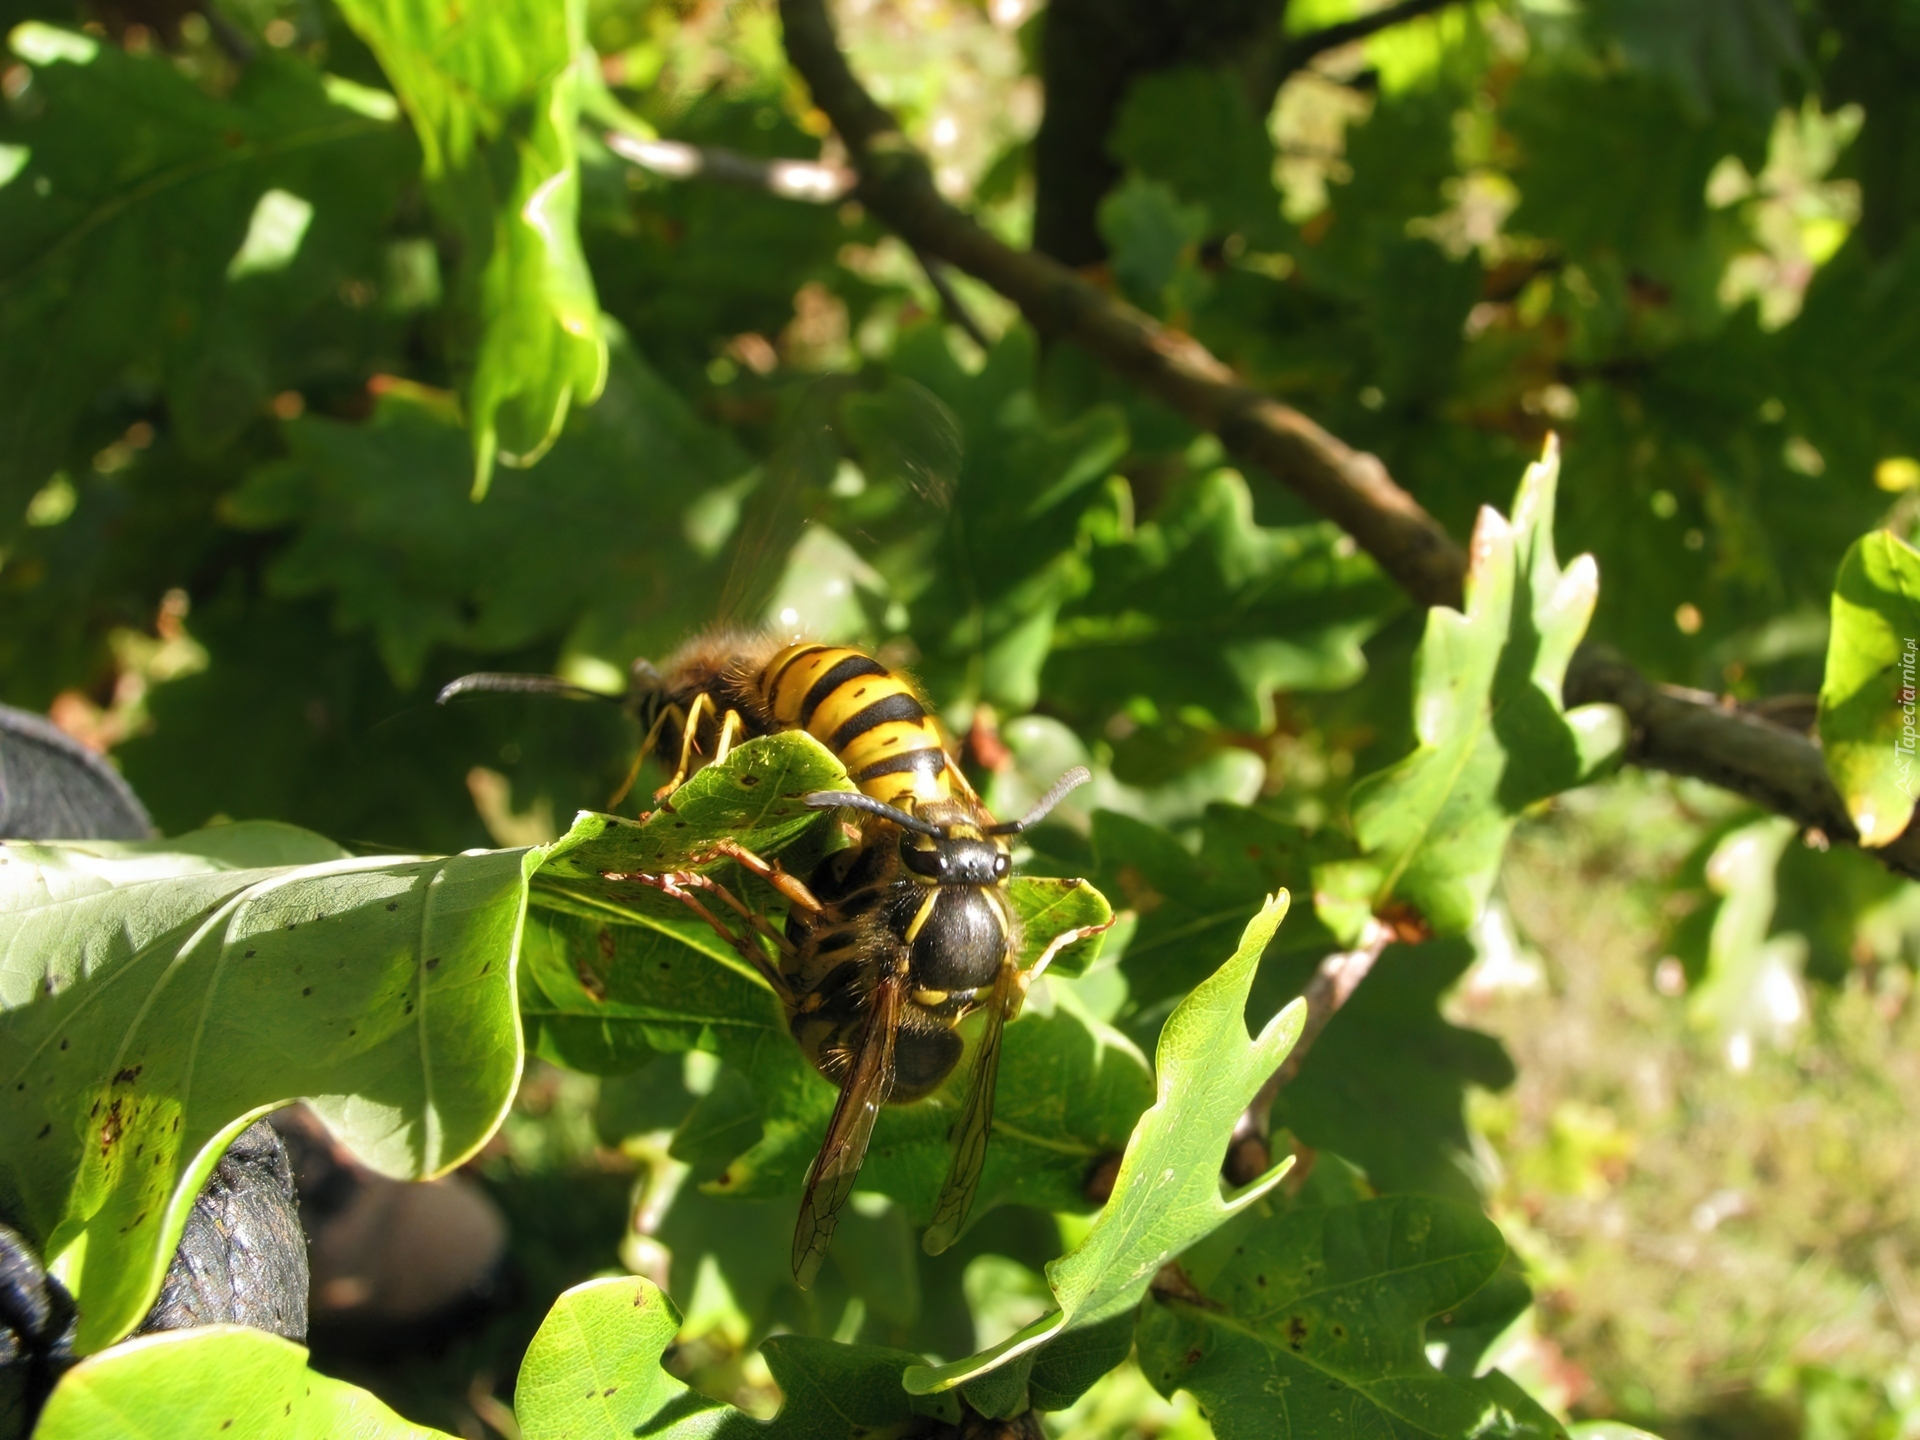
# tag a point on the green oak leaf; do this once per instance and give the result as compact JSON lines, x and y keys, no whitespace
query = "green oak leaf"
{"x":1868,"y":726}
{"x":756,"y":799}
{"x":381,"y":526}
{"x":163,"y":996}
{"x":1203,"y":603}
{"x":1167,"y":1193}
{"x":1311,"y":1322}
{"x":987,"y":585}
{"x":593,"y":1373}
{"x":1385,"y":1084}
{"x":1493,"y":737}
{"x":213,"y":1380}
{"x":494,"y":92}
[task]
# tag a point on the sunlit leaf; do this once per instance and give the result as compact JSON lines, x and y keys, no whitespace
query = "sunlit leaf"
{"x":1310,"y":1322}
{"x":213,"y":1380}
{"x":1493,"y":738}
{"x":593,"y":1371}
{"x":160,"y":1000}
{"x":1871,"y":694}
{"x":495,"y":96}
{"x":1167,"y":1193}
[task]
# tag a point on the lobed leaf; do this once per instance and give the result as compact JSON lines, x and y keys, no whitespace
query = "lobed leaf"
{"x":1868,"y":730}
{"x":495,"y":93}
{"x":1310,"y":1321}
{"x":213,"y":1380}
{"x":1493,"y":737}
{"x":1203,"y":603}
{"x":1167,"y":1193}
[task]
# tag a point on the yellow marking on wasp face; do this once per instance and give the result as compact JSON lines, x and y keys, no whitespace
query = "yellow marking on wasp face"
{"x":930,"y":998}
{"x":925,"y":913}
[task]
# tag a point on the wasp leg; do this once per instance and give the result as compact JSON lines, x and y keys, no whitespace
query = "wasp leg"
{"x":786,"y":882}
{"x":689,"y":743}
{"x":670,"y":712}
{"x":730,"y":727}
{"x":1024,"y":979}
{"x":760,"y":924}
{"x":677,"y":885}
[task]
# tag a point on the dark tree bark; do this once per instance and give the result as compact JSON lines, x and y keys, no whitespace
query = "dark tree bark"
{"x":1091,"y":53}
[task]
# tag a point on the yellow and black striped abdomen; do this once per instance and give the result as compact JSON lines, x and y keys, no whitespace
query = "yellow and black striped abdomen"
{"x":865,"y":714}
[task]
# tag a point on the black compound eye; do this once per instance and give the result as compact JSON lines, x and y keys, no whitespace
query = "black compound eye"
{"x":1001,"y":864}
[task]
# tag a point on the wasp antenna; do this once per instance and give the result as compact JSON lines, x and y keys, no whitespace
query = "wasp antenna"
{"x":854,"y":800}
{"x":1072,"y":780}
{"x":498,"y":682}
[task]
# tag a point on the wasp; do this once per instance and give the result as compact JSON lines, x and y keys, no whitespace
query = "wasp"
{"x":892,"y":941}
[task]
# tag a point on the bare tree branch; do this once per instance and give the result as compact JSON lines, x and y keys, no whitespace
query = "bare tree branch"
{"x":1302,"y":48}
{"x":1347,"y":485}
{"x":1682,"y":732}
{"x":1687,"y":732}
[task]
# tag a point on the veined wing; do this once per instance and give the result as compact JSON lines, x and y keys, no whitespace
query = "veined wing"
{"x":971,"y":1129}
{"x":869,"y":1081}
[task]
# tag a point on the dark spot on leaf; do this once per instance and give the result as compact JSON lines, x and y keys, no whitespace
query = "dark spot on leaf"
{"x":486,"y":967}
{"x":176,"y":1124}
{"x":1339,"y":1332}
{"x":226,"y":1424}
{"x":250,"y":954}
{"x":393,"y":904}
{"x":159,"y":1160}
{"x":433,"y":963}
{"x":679,"y":824}
{"x":352,"y":1032}
{"x":306,"y":990}
{"x":1260,"y":1280}
{"x":749,"y":780}
{"x":409,"y":1007}
{"x":127,"y":1076}
{"x":1296,"y":1333}
{"x":45,"y":1130}
{"x":608,"y":1391}
{"x":666,"y":965}
{"x":289,"y":1409}
{"x":1193,"y":1357}
{"x":725,"y":1177}
{"x":63,"y":1044}
{"x":139,"y":1149}
{"x":639,"y":1299}
{"x":21,"y":1086}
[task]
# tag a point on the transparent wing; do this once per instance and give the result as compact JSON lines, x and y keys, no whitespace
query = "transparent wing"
{"x":868,"y":1083}
{"x":970,"y":1131}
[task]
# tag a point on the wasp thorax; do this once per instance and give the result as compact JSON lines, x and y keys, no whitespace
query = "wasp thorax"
{"x":960,"y":942}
